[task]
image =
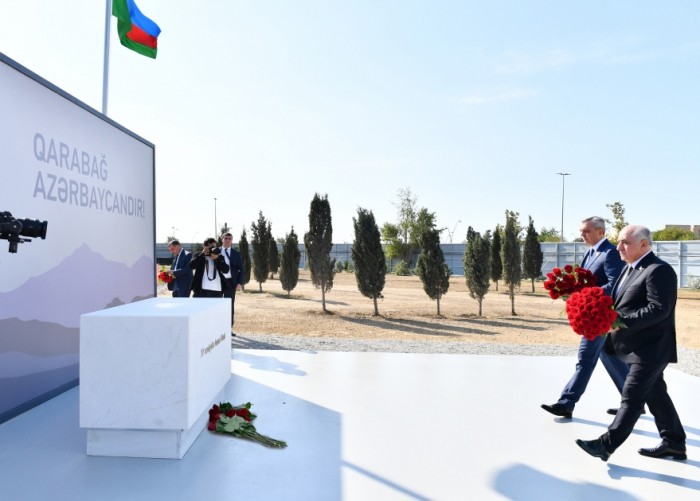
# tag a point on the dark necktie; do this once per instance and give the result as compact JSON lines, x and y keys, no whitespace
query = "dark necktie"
{"x":228,"y":256}
{"x":625,"y":276}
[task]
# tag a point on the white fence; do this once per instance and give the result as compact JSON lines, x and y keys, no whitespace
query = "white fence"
{"x":683,"y":256}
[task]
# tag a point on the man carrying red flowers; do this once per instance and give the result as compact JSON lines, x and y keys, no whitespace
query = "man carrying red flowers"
{"x":603,"y":261}
{"x":645,"y":298}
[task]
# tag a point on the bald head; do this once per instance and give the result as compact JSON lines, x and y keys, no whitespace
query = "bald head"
{"x":633,"y":242}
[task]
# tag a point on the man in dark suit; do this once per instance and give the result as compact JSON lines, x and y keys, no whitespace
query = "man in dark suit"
{"x":209,"y":267}
{"x":645,"y":299}
{"x":603,"y":260}
{"x":180,"y":270}
{"x":234,"y":278}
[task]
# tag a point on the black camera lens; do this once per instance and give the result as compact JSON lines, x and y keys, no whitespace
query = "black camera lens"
{"x":33,"y":228}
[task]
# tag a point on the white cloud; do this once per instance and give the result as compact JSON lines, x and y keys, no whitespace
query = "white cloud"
{"x":633,"y":58}
{"x":381,"y":162}
{"x":525,"y":63}
{"x":498,"y":94}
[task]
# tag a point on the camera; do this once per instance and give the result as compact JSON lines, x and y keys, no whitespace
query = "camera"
{"x":12,"y":229}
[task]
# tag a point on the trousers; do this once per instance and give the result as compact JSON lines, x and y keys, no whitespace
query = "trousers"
{"x":588,"y":354}
{"x":645,"y":383}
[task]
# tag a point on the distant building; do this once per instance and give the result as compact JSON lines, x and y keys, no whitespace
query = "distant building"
{"x":695,"y":228}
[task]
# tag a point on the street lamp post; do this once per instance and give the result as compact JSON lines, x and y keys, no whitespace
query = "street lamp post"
{"x":563,"y":176}
{"x":195,"y":234}
{"x":216,"y":226}
{"x":452,"y":234}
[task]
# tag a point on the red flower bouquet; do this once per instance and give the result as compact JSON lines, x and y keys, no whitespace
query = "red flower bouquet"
{"x":563,"y":283}
{"x":237,"y":421}
{"x":163,"y":276}
{"x":591,"y":313}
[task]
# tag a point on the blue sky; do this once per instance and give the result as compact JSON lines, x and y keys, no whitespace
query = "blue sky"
{"x":474,"y":105}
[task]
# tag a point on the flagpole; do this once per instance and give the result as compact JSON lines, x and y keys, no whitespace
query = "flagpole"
{"x":105,"y":74}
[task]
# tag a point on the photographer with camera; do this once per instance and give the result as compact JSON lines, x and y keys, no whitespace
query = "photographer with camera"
{"x":209,"y":268}
{"x":12,"y":229}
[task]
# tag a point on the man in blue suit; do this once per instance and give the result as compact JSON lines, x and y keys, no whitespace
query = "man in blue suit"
{"x":180,"y":270}
{"x":603,"y":260}
{"x":234,"y":278}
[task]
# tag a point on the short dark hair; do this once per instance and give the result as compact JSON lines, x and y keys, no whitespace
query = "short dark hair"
{"x":173,"y":242}
{"x":210,"y":240}
{"x":227,"y":235}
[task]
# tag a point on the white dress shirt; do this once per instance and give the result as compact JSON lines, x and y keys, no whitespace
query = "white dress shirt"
{"x":224,"y":250}
{"x":594,"y":250}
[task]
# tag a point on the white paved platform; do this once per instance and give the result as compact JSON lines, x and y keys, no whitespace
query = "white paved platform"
{"x":372,"y":426}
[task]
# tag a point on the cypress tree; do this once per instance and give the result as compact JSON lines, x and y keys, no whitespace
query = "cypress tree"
{"x":532,"y":255}
{"x":319,"y":242}
{"x":289,"y":264}
{"x":477,"y":264}
{"x":368,"y":256}
{"x":431,"y":266}
{"x":261,"y":249}
{"x":274,"y":254}
{"x":496,"y":263}
{"x":511,"y":258}
{"x":245,"y":256}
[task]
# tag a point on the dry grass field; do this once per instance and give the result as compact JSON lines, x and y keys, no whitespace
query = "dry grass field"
{"x":406,"y":312}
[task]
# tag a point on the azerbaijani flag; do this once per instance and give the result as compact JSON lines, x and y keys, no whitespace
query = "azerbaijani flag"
{"x":136,"y":31}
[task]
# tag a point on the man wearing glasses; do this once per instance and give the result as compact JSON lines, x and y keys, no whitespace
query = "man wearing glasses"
{"x":234,"y":277}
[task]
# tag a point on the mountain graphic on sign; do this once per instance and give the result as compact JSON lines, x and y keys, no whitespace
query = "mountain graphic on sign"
{"x":83,"y":282}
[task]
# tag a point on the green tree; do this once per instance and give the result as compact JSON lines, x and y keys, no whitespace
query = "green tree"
{"x":532,"y":255}
{"x":319,"y":242}
{"x":261,"y":249}
{"x":549,"y":235}
{"x":511,"y":258}
{"x":245,"y":257}
{"x":222,"y":230}
{"x":274,"y":253}
{"x":477,"y":264}
{"x":496,"y":264}
{"x":618,"y":222}
{"x":402,"y":238}
{"x":289,"y":264}
{"x":431,"y":266}
{"x":368,"y":256}
{"x":673,"y":234}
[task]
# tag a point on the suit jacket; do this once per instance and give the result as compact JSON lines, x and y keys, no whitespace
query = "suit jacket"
{"x":646,"y":303}
{"x":236,"y":267}
{"x":606,"y":265}
{"x":182,"y":271}
{"x":197,"y":264}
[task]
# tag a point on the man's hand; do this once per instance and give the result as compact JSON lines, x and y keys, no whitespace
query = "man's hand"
{"x":238,"y":287}
{"x":615,"y":329}
{"x":170,"y":272}
{"x":214,"y":256}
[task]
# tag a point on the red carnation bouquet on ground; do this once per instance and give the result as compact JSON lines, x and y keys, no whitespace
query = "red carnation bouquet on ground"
{"x":163,"y":276}
{"x":237,"y":421}
{"x":591,"y":313}
{"x":563,"y":283}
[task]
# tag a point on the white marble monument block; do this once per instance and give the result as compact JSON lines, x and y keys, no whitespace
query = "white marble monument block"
{"x":149,"y":373}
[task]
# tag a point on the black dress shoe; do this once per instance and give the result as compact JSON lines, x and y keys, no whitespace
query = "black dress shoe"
{"x":663,"y":450}
{"x":595,"y":448}
{"x":557,"y":410}
{"x":614,"y":410}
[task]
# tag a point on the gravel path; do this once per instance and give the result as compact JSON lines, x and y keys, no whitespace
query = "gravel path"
{"x":688,"y":358}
